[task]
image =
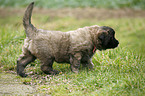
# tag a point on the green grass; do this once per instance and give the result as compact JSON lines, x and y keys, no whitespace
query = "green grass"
{"x":135,"y":4}
{"x":117,"y":72}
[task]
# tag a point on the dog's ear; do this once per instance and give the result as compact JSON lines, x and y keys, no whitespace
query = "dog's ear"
{"x":102,"y":37}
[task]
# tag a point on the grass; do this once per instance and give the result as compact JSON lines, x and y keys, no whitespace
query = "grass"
{"x":117,"y":72}
{"x":135,"y":4}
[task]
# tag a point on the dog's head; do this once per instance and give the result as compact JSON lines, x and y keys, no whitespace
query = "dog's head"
{"x":106,"y":38}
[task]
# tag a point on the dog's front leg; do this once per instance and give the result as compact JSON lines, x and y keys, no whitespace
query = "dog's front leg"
{"x":87,"y":62}
{"x":75,"y":62}
{"x":90,"y":64}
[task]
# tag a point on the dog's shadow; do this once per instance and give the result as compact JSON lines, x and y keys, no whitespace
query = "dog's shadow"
{"x":35,"y":69}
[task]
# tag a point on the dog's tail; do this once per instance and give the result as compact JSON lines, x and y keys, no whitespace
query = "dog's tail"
{"x":29,"y":28}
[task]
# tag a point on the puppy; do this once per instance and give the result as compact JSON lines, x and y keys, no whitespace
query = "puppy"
{"x":73,"y":47}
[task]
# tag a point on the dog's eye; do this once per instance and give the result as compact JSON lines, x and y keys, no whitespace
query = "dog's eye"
{"x":113,"y":33}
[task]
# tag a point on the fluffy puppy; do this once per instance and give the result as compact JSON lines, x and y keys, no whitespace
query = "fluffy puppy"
{"x":73,"y":47}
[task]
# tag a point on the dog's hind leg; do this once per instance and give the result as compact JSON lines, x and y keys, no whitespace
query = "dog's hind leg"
{"x":23,"y":61}
{"x":46,"y":66}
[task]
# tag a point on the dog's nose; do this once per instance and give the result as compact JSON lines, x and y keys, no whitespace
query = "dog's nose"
{"x":117,"y":42}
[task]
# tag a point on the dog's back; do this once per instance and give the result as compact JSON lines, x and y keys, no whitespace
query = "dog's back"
{"x":52,"y":43}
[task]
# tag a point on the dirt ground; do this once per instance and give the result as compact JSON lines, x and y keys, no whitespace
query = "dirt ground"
{"x":79,"y":13}
{"x":10,"y":85}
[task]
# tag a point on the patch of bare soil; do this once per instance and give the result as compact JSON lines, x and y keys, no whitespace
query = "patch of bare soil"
{"x":11,"y":86}
{"x":79,"y":13}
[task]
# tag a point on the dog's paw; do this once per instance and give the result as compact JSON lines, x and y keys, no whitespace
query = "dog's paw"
{"x":54,"y":72}
{"x":22,"y":74}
